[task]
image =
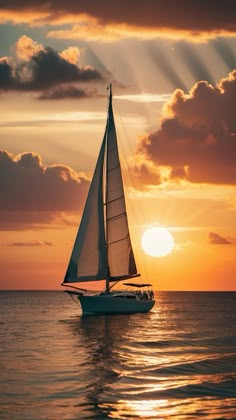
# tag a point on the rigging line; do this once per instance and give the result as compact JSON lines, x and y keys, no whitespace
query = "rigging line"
{"x":132,"y":183}
{"x":73,"y":298}
{"x":130,"y":150}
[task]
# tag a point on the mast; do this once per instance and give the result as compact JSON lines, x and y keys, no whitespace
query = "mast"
{"x":120,"y":258}
{"x":107,"y":234}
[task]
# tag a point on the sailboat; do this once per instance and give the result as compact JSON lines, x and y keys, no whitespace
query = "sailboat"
{"x":103,"y":248}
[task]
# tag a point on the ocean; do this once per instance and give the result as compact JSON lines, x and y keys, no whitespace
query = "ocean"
{"x":176,"y":362}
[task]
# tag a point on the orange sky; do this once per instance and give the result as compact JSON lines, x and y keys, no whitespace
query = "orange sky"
{"x":174,"y":85}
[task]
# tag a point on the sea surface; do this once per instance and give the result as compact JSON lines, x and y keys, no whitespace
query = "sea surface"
{"x":176,"y":362}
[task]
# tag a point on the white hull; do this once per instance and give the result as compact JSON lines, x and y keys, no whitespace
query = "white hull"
{"x":108,"y":304}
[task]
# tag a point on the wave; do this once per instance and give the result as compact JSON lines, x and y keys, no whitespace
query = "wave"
{"x":216,"y":364}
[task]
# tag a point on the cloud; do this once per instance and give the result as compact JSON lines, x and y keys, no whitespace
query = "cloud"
{"x":5,"y":73}
{"x":49,"y":69}
{"x":144,"y":97}
{"x":42,"y":68}
{"x":29,"y":243}
{"x":35,"y":193}
{"x":104,"y":20}
{"x":71,"y":92}
{"x":197,"y":137}
{"x":26,"y":48}
{"x":216,"y":239}
{"x":71,"y":54}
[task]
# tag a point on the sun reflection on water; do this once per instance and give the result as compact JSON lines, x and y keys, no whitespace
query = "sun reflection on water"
{"x":151,"y":373}
{"x":147,"y":409}
{"x":163,"y":409}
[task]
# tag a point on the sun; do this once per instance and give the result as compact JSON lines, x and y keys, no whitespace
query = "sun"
{"x":157,"y":242}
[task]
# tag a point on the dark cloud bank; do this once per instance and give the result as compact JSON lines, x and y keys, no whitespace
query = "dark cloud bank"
{"x":197,"y":137}
{"x":49,"y":73}
{"x":35,"y":193}
{"x":187,"y":15}
{"x":216,"y":239}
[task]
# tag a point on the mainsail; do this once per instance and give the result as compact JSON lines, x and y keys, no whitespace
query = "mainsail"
{"x":102,"y":248}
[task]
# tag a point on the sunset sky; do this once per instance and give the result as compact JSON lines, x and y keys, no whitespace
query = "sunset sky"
{"x":173,"y":70}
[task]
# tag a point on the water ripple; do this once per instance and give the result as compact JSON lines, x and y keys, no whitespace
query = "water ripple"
{"x":177,"y":362}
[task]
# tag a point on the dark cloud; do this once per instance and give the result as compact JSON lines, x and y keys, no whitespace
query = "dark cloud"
{"x":45,"y":70}
{"x":36,"y":193}
{"x":6,"y":79}
{"x":216,"y":239}
{"x":197,"y":137}
{"x":23,"y":220}
{"x":198,"y":16}
{"x":29,"y":243}
{"x":70,"y":92}
{"x":50,"y":69}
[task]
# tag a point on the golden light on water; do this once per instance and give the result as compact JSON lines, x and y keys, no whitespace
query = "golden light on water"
{"x":143,"y":408}
{"x":165,"y":409}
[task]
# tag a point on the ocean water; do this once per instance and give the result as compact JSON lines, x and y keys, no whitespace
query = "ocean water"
{"x":176,"y":362}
